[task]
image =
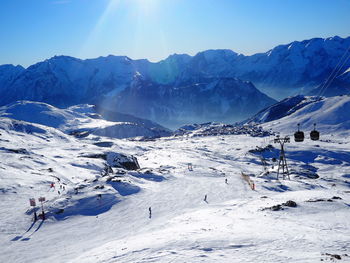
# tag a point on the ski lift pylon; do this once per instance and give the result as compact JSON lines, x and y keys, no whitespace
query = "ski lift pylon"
{"x":299,"y":135}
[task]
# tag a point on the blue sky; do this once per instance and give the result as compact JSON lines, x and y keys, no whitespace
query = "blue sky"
{"x":34,"y":30}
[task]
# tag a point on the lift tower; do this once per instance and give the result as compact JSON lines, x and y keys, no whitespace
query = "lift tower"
{"x":282,"y":164}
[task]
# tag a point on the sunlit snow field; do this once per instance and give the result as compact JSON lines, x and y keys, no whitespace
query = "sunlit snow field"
{"x":232,"y":226}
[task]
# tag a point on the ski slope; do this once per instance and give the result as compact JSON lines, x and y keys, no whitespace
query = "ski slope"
{"x":330,"y":114}
{"x":232,"y":226}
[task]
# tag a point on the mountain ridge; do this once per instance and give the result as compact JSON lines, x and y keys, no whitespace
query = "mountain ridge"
{"x":299,"y":67}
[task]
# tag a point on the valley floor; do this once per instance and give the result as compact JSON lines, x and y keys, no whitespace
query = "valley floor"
{"x":234,"y":224}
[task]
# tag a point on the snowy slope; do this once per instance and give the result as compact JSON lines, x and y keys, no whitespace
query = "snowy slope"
{"x":330,"y":114}
{"x":234,"y":225}
{"x":281,"y":109}
{"x":40,"y":113}
{"x":81,"y":118}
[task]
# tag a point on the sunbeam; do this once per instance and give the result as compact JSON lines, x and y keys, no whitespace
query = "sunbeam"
{"x":94,"y":34}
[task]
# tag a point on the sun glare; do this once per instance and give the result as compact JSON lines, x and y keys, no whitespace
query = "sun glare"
{"x":145,"y":7}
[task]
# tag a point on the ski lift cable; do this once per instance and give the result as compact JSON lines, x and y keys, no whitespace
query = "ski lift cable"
{"x":335,"y":76}
{"x":337,"y":73}
{"x":315,"y":134}
{"x":335,"y":70}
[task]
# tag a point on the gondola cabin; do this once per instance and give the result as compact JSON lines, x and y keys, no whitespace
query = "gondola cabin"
{"x":315,"y":135}
{"x":299,"y":135}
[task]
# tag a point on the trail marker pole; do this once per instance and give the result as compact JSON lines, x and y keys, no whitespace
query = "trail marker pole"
{"x":42,"y":199}
{"x":32,"y":203}
{"x":282,"y":159}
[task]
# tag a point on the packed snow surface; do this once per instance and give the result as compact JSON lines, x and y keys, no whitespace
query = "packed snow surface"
{"x":101,"y":212}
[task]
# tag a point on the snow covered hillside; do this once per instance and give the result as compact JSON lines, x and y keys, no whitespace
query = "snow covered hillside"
{"x":82,"y":120}
{"x":330,"y":114}
{"x":183,"y":86}
{"x":183,"y":199}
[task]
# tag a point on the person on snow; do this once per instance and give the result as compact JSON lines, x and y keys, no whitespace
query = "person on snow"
{"x":150,"y":212}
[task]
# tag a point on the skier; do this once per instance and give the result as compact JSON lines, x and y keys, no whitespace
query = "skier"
{"x":205,"y":198}
{"x":225,"y":180}
{"x":150,"y":212}
{"x":190,"y":168}
{"x":52,"y":185}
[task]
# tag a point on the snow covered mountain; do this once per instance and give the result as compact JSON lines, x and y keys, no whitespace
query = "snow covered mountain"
{"x":81,"y":120}
{"x":8,"y":73}
{"x":297,"y":67}
{"x":285,"y":70}
{"x":160,"y":91}
{"x":115,"y":83}
{"x":221,"y":99}
{"x":330,"y":114}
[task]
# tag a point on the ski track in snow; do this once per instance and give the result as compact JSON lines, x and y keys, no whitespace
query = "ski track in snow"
{"x":230,"y":227}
